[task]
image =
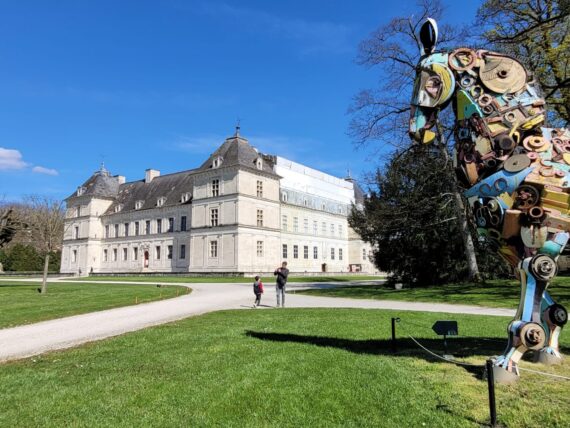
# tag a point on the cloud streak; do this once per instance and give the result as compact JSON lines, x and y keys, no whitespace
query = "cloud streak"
{"x":46,"y":171}
{"x":11,"y":159}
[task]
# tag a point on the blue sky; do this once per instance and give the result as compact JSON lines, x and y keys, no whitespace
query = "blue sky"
{"x":160,"y":84}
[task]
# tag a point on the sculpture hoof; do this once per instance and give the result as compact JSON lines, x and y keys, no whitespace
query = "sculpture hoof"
{"x":504,"y":376}
{"x":547,"y":358}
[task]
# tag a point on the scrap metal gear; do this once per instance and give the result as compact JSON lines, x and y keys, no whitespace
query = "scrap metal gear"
{"x":543,"y":267}
{"x":526,"y":197}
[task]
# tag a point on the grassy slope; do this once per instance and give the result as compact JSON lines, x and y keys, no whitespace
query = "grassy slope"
{"x":499,"y":293}
{"x":207,"y":279}
{"x":20,"y":303}
{"x":291,"y":367}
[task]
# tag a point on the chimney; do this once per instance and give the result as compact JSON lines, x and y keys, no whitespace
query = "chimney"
{"x":151,"y":174}
{"x":121,"y":179}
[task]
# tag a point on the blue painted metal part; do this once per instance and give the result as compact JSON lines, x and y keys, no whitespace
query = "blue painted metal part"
{"x":500,"y":182}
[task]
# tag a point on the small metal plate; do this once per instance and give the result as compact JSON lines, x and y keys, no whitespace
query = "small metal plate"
{"x":516,"y":163}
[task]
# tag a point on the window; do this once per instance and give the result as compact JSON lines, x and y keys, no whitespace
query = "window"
{"x":315,"y":253}
{"x":363,"y":254}
{"x":284,"y":196}
{"x":305,"y":202}
{"x":259,"y":163}
{"x":139,"y":205}
{"x":324,"y":228}
{"x":169,"y":252}
{"x":137,"y":228}
{"x":295,"y":224}
{"x":116,"y":231}
{"x":126,"y":230}
{"x":114,"y":254}
{"x":339,"y":210}
{"x":135,"y":253}
{"x":259,"y":189}
{"x":323,"y":206}
{"x":306,"y":252}
{"x":332,"y":253}
{"x":118,"y":208}
{"x":214,"y":217}
{"x":340,"y":230}
{"x":157,"y":252}
{"x":217,"y":162}
{"x":106,"y":231}
{"x":332,"y":229}
{"x":216,"y":187}
{"x":147,"y":227}
{"x":213,"y":249}
{"x":284,"y":251}
{"x":185,"y":197}
{"x":183,"y":223}
{"x":171,"y":224}
{"x":295,"y":251}
{"x":315,"y":227}
{"x":74,"y":256}
{"x":160,"y":201}
{"x":78,"y":211}
{"x":260,"y":218}
{"x":183,"y":251}
{"x":159,"y":225}
{"x":105,"y":255}
{"x":259,"y":248}
{"x":80,"y":191}
{"x":125,"y":254}
{"x":76,"y":232}
{"x":284,"y":222}
{"x":340,"y":253}
{"x":306,"y":225}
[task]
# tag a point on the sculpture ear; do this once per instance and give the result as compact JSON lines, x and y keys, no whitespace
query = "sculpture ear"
{"x":428,"y":35}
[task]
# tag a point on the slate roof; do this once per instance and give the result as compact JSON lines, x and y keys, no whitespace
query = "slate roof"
{"x":100,"y":184}
{"x":359,"y":194}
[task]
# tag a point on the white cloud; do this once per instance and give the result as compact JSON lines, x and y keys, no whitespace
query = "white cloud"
{"x":42,"y":170}
{"x":11,"y":159}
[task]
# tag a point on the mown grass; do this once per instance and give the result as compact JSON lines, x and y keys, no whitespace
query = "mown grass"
{"x":215,"y":279}
{"x":290,"y":368}
{"x":497,"y":293}
{"x":20,"y":303}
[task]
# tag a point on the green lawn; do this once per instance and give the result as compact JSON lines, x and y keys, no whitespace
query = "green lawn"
{"x":497,"y":293}
{"x":289,"y":367}
{"x":20,"y":303}
{"x":207,"y":279}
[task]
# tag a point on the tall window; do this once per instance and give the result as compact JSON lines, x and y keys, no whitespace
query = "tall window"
{"x":315,"y":227}
{"x":183,"y":251}
{"x":159,"y":225}
{"x":114,"y":254}
{"x":295,"y":224}
{"x":105,"y":255}
{"x":340,"y":253}
{"x":214,"y":217}
{"x":284,"y":251}
{"x":169,"y":252}
{"x":315,"y":253}
{"x":137,"y":228}
{"x":135,"y":253}
{"x":78,"y":211}
{"x":306,"y":225}
{"x":363,"y":254}
{"x":147,"y":227}
{"x":213,"y":249}
{"x":284,"y":222}
{"x":340,"y":230}
{"x":332,"y":229}
{"x":215,"y":188}
{"x":125,"y":254}
{"x":259,"y":189}
{"x":157,"y":252}
{"x":324,"y":228}
{"x":74,"y":256}
{"x":260,"y":218}
{"x":295,"y":251}
{"x":76,"y":232}
{"x":171,"y":224}
{"x":259,"y":248}
{"x":306,"y":252}
{"x":183,"y":223}
{"x":332,"y":253}
{"x":116,"y":231}
{"x":106,"y":231}
{"x":126,"y":229}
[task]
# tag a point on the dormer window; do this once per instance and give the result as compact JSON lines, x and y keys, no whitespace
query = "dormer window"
{"x":305,"y":202}
{"x":284,"y":196}
{"x":118,"y":208}
{"x":139,"y":205}
{"x":323,"y":206}
{"x":259,"y":163}
{"x":80,"y":190}
{"x":217,"y":162}
{"x":185,"y":197}
{"x":160,"y":201}
{"x":339,"y":209}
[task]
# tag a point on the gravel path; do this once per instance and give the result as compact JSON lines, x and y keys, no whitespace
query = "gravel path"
{"x":34,"y":339}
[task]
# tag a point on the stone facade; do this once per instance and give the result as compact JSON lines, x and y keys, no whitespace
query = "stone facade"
{"x":239,"y":212}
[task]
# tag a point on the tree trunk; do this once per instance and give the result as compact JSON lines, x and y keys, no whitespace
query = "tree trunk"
{"x":44,"y":280}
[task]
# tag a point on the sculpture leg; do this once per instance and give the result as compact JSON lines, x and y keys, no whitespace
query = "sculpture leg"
{"x":554,"y":317}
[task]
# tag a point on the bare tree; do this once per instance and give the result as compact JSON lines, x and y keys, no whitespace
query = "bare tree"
{"x":45,"y":222}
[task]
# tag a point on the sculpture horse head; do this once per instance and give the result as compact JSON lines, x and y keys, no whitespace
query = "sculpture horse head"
{"x":516,"y":174}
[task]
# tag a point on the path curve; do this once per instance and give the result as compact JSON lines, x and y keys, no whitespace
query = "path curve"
{"x":33,"y":339}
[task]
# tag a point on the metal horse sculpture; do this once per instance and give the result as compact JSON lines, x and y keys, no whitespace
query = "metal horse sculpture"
{"x":517,"y":176}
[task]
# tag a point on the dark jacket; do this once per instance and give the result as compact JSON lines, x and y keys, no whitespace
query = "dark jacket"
{"x":258,"y":287}
{"x":282,"y":274}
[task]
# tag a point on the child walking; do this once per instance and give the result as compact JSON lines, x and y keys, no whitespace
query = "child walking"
{"x":258,"y":291}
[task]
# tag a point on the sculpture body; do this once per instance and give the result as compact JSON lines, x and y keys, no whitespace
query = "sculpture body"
{"x":516,"y":172}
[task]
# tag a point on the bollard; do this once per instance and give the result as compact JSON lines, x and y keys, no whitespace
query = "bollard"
{"x":393,"y":342}
{"x":491,"y":386}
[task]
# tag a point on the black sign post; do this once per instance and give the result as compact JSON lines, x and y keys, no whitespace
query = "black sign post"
{"x":445,"y":328}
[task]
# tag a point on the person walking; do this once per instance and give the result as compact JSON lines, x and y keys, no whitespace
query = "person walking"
{"x":258,"y":291}
{"x":281,"y":281}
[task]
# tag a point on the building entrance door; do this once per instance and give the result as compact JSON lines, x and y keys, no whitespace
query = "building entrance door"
{"x":324,"y":267}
